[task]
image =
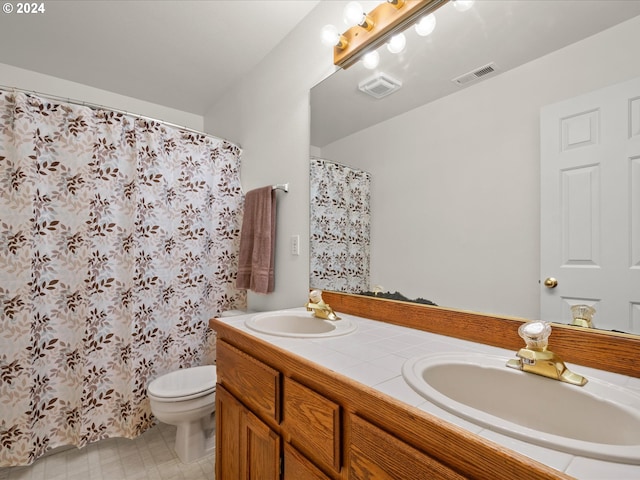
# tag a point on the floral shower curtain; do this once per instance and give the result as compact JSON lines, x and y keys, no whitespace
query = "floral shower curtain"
{"x":340,"y":220}
{"x":118,"y":241}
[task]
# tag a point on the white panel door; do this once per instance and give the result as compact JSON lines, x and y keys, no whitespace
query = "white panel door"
{"x":590,"y":206}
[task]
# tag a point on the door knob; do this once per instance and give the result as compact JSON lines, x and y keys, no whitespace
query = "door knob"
{"x":550,"y":282}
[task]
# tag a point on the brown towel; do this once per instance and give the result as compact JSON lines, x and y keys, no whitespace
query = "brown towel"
{"x":257,"y":241}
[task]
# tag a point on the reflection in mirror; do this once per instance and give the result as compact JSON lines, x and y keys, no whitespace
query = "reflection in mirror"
{"x":339,"y":221}
{"x":455,"y":186}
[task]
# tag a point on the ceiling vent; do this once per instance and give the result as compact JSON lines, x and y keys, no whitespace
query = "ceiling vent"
{"x":476,"y":74}
{"x":380,"y":85}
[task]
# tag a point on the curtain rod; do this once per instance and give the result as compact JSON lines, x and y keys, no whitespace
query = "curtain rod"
{"x":110,"y":109}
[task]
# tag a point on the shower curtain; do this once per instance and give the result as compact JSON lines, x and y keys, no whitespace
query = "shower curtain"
{"x":340,"y":227}
{"x":118,"y":241}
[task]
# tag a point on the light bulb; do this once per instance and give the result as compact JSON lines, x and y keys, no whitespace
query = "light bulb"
{"x":397,"y":43}
{"x":329,"y":35}
{"x":353,"y":14}
{"x":371,"y":60}
{"x":463,"y":5}
{"x":426,"y":25}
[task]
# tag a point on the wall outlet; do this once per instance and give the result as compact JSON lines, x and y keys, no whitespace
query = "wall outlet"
{"x":295,"y":244}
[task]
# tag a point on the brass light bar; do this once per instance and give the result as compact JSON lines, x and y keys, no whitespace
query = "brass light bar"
{"x":387,"y":19}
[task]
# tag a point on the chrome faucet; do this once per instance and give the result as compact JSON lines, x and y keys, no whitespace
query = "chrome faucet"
{"x":318,"y":308}
{"x":535,"y":358}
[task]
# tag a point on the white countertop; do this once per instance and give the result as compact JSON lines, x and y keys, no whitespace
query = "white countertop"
{"x":374,"y":354}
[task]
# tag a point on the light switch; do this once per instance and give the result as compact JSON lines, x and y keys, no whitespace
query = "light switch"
{"x":295,"y":244}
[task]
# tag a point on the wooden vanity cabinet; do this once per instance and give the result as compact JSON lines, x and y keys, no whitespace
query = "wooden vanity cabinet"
{"x":281,"y":416}
{"x":309,"y":435}
{"x":373,"y":453}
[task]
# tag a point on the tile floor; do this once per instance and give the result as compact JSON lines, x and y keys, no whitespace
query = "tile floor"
{"x":148,"y":457}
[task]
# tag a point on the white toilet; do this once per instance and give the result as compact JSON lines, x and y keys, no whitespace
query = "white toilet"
{"x":186,"y":398}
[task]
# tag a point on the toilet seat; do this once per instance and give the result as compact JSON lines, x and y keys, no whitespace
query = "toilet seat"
{"x":184,"y":384}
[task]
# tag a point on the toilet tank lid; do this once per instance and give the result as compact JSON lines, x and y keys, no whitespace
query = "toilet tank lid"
{"x":183,"y":382}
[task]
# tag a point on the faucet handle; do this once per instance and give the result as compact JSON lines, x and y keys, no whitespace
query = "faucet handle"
{"x":315,"y":296}
{"x":583,"y":315}
{"x":535,"y":334}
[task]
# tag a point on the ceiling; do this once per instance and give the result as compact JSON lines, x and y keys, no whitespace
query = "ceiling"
{"x":186,"y":54}
{"x":508,"y":33}
{"x":180,"y":54}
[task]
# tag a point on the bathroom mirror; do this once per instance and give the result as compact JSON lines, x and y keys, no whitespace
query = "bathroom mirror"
{"x":454,"y":153}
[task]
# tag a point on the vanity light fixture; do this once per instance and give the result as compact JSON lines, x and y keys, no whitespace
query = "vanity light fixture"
{"x":373,"y":29}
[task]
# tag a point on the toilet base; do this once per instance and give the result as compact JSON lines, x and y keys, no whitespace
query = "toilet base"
{"x":195,"y":440}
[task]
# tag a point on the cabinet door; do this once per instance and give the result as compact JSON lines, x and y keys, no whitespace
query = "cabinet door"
{"x":297,"y":467}
{"x":260,"y":449}
{"x":373,"y":453}
{"x":312,"y":424}
{"x":246,"y":448}
{"x":228,"y":413}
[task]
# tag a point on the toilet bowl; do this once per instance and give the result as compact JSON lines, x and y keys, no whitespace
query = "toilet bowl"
{"x":186,"y":398}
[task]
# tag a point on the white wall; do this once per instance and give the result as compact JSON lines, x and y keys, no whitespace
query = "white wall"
{"x":472,"y":192}
{"x":28,"y":80}
{"x":268,"y":115}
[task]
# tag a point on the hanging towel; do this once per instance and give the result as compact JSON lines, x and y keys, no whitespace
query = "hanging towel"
{"x":257,"y":241}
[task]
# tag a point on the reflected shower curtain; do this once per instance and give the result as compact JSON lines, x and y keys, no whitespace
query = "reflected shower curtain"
{"x":340,"y":227}
{"x":118,"y":241}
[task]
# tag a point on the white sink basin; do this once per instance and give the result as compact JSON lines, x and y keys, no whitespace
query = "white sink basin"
{"x":299,"y":324}
{"x":598,"y":420}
